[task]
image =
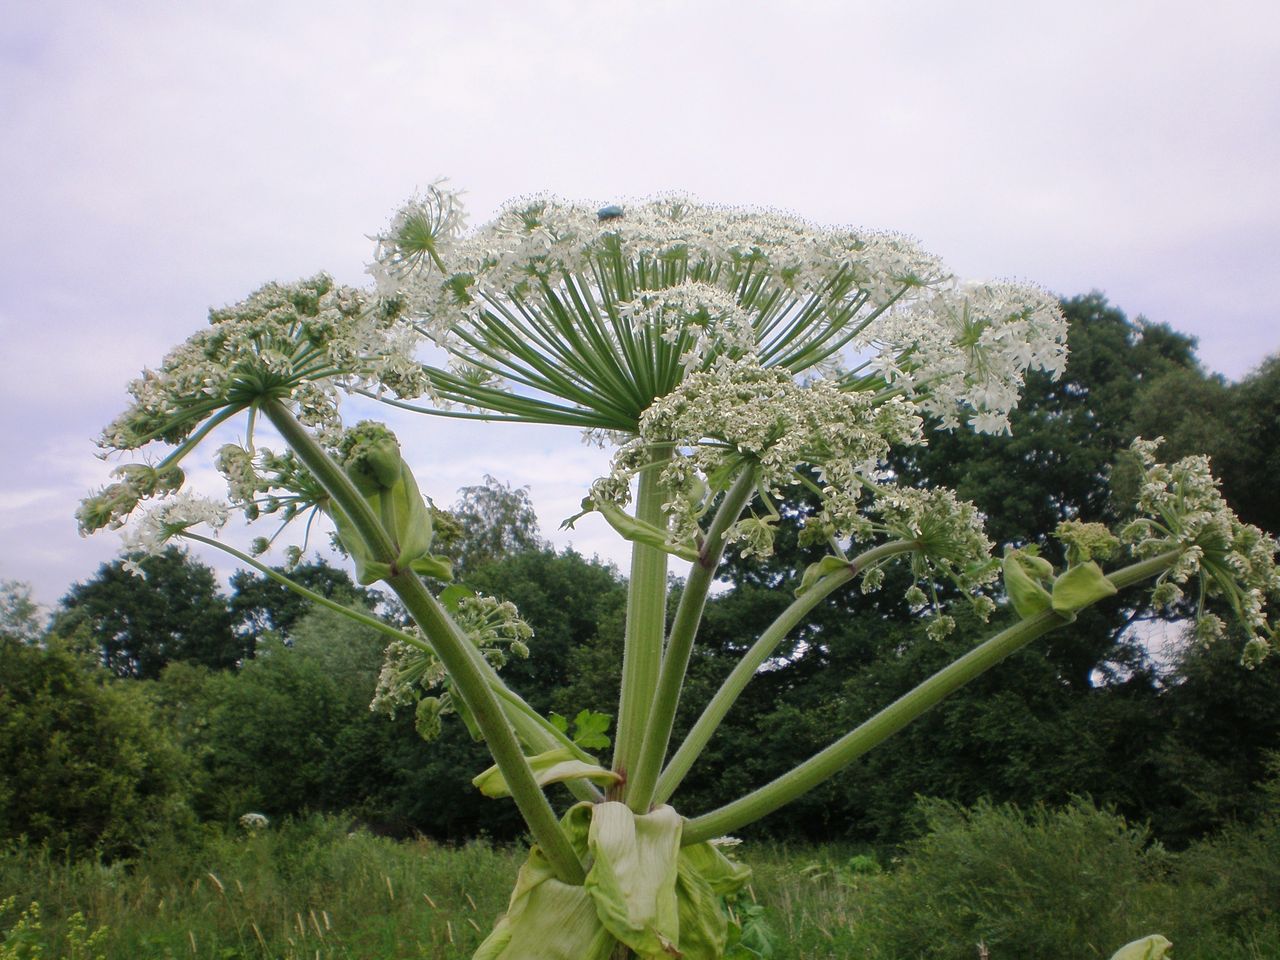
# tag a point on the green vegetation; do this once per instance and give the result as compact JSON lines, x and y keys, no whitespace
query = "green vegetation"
{"x":1072,"y":883}
{"x":154,"y":713}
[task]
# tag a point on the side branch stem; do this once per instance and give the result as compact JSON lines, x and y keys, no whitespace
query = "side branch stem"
{"x":684,"y":628}
{"x":472,"y":676}
{"x":897,"y":715}
{"x":714,"y":713}
{"x":535,"y":730}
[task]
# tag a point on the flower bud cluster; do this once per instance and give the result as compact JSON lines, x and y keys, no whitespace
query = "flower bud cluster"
{"x":110,"y":506}
{"x":412,"y":675}
{"x":1235,"y":562}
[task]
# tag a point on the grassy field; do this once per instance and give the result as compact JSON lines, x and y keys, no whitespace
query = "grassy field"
{"x":315,"y":890}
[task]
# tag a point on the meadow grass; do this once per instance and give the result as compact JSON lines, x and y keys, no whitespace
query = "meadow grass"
{"x":317,"y":890}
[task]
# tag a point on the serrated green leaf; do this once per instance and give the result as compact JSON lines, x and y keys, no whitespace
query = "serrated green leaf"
{"x":589,"y":730}
{"x":559,"y":722}
{"x":554,"y":766}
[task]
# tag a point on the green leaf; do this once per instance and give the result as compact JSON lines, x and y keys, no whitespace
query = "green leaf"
{"x":559,"y":722}
{"x":554,"y":766}
{"x":633,"y":876}
{"x":704,"y":878}
{"x":452,"y":595}
{"x":1080,"y":586}
{"x":546,"y":920}
{"x":589,"y":730}
{"x":1153,"y":947}
{"x":434,"y":566}
{"x":816,"y":571}
{"x":1025,"y":592}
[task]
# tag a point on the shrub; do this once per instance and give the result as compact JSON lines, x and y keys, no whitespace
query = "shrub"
{"x":1042,"y":885}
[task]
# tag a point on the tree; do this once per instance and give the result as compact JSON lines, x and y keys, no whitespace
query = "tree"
{"x":260,"y":605}
{"x":84,"y":766}
{"x":494,"y":521}
{"x":19,"y":614}
{"x":173,"y":612}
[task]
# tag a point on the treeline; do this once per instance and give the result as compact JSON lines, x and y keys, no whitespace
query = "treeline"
{"x":152,"y":707}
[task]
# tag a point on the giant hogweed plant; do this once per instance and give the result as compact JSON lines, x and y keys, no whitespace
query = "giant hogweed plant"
{"x":733,"y":359}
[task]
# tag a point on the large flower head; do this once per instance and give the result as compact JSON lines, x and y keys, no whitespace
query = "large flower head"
{"x":300,"y":344}
{"x":586,"y":315}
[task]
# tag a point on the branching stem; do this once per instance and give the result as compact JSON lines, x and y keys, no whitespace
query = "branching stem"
{"x":898,"y":714}
{"x":471,"y":675}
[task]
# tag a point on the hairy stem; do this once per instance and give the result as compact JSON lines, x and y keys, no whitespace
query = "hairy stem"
{"x":471,"y":675}
{"x":684,"y":628}
{"x":714,"y":713}
{"x":898,"y":714}
{"x":646,"y":624}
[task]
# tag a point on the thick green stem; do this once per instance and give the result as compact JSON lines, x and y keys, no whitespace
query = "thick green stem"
{"x":714,"y":713}
{"x":897,"y":715}
{"x":684,"y":628}
{"x":472,"y":677}
{"x":646,"y":624}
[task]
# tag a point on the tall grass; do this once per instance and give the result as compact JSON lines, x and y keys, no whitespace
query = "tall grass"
{"x":1057,"y":885}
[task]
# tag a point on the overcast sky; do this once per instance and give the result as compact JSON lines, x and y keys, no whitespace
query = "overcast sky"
{"x":160,"y":158}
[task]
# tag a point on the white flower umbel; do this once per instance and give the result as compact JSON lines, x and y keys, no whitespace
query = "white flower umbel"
{"x":1234,"y":561}
{"x":568,"y":313}
{"x":149,"y":533}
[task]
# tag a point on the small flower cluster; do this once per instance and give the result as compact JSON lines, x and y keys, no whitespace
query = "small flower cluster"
{"x":292,"y":342}
{"x":741,"y":414}
{"x":169,"y":518}
{"x":701,"y":320}
{"x":966,"y":355}
{"x":412,"y":243}
{"x":111,"y":506}
{"x":411,"y":670}
{"x":1234,"y":561}
{"x":949,"y":533}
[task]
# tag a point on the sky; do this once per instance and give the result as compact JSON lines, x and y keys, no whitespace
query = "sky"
{"x":160,"y":158}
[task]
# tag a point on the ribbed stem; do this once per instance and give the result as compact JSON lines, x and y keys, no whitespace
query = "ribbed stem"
{"x":714,"y":713}
{"x":471,"y":675}
{"x":897,"y":715}
{"x":684,"y":628}
{"x":646,"y":624}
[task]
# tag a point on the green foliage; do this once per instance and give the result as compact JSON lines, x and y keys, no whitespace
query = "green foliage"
{"x":260,"y":605}
{"x":139,"y":624}
{"x":25,"y":939}
{"x":1041,"y":885}
{"x":19,"y":613}
{"x":494,"y":521}
{"x":84,"y":766}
